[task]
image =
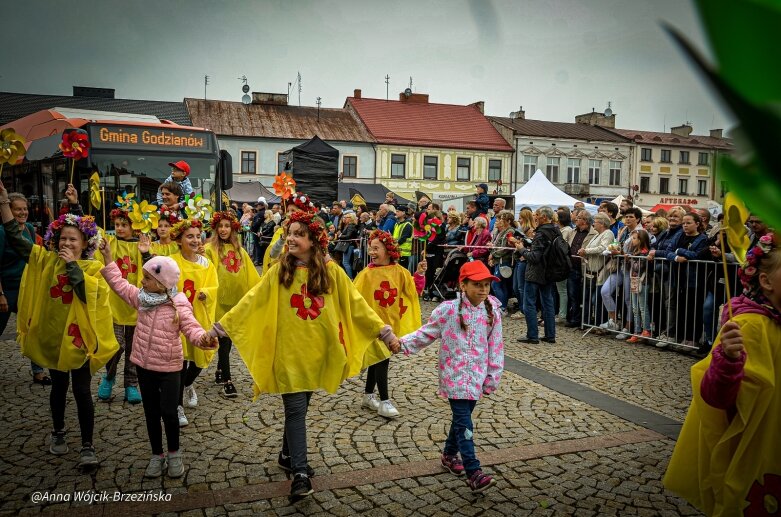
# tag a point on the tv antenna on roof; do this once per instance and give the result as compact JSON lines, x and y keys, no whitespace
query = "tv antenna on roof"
{"x":387,"y":86}
{"x":245,"y":99}
{"x":205,"y":82}
{"x":609,"y":110}
{"x":318,"y":109}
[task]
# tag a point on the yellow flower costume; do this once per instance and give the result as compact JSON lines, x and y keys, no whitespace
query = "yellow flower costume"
{"x":55,"y":329}
{"x":293,"y":341}
{"x":163,"y":250}
{"x":128,"y":258}
{"x":727,"y":467}
{"x":195,"y":279}
{"x":236,"y":275}
{"x":390,"y":291}
{"x":267,"y":260}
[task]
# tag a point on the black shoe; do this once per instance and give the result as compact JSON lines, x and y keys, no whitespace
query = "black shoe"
{"x":285,"y":464}
{"x":549,"y":339}
{"x":529,"y":341}
{"x":301,"y":486}
{"x":229,"y":390}
{"x":218,"y":377}
{"x":44,"y":380}
{"x":572,"y":324}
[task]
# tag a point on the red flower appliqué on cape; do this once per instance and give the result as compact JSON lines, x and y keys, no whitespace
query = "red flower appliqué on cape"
{"x":308,"y":306}
{"x":75,"y":332}
{"x":386,"y":295}
{"x":63,"y":289}
{"x":765,"y":498}
{"x":232,"y":261}
{"x":126,"y":266}
{"x":188,"y":288}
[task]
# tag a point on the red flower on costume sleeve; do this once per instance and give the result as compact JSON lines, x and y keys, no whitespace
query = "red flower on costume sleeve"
{"x":232,"y":261}
{"x":765,"y":498}
{"x":63,"y":289}
{"x":188,"y":288}
{"x":75,"y":332}
{"x":402,"y":308}
{"x":386,"y":295}
{"x":126,"y":266}
{"x":308,"y":306}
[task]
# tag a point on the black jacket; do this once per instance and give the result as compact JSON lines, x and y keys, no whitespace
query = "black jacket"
{"x":535,"y":256}
{"x":258,"y":220}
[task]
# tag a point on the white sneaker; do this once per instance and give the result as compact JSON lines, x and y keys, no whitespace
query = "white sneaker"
{"x":190,"y":397}
{"x":608,"y":325}
{"x":370,"y":401}
{"x":155,"y":467}
{"x":387,"y":409}
{"x":182,"y":417}
{"x":623,"y":335}
{"x":661,"y":341}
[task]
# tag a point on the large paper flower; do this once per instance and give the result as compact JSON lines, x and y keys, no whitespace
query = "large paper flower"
{"x":188,"y":288}
{"x":196,"y":207}
{"x":765,"y":498}
{"x":126,"y":266}
{"x":284,"y":186}
{"x":95,"y":198}
{"x":232,"y":261}
{"x":11,"y":146}
{"x":735,"y":216}
{"x":386,"y":295}
{"x":75,"y":332}
{"x":144,"y":217}
{"x":308,"y":306}
{"x":63,"y":289}
{"x":75,"y":144}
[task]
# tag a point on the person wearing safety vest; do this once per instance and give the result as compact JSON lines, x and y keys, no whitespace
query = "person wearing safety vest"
{"x":402,"y":233}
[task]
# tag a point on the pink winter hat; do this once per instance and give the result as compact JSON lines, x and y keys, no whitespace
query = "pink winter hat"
{"x":164,"y":269}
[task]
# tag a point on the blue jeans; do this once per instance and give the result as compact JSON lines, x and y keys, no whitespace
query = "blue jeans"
{"x":461,"y":433}
{"x":709,"y":312}
{"x":530,"y":309}
{"x":519,"y":282}
{"x":503,"y":288}
{"x":347,"y":261}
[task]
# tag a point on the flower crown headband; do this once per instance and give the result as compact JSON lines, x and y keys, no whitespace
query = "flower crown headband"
{"x":85,"y":224}
{"x":303,"y":202}
{"x":225,"y":215}
{"x":166,"y":214}
{"x":315,"y":226}
{"x":184,"y":225}
{"x":388,"y":241}
{"x":749,"y":273}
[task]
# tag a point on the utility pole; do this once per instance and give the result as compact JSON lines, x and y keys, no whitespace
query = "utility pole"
{"x":387,"y":86}
{"x":205,"y":82}
{"x":299,"y":88}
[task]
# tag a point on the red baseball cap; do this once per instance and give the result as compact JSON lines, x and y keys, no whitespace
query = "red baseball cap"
{"x":475,"y":271}
{"x":182,"y":166}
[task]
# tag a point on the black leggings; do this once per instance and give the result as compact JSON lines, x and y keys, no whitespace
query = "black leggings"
{"x":189,"y":373}
{"x":294,"y":436}
{"x":224,"y":358}
{"x":378,"y":376}
{"x":158,"y":392}
{"x":81,"y":392}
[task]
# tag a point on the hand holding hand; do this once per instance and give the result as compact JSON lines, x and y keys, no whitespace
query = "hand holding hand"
{"x":732,"y":340}
{"x":72,"y":195}
{"x":395,"y":346}
{"x":144,"y":242}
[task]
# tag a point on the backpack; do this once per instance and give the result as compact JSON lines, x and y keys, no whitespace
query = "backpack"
{"x":557,"y":261}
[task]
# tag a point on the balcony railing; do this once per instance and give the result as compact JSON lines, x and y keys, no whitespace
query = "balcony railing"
{"x":576,"y":189}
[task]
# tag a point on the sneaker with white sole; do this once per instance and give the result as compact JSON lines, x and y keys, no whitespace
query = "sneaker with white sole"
{"x":183,"y":422}
{"x":190,"y":397}
{"x":370,"y":401}
{"x":175,"y":464}
{"x":387,"y":409}
{"x":229,"y":390}
{"x":155,"y":467}
{"x":58,"y":444}
{"x":623,"y":335}
{"x":609,"y":325}
{"x":660,"y":343}
{"x":87,"y":456}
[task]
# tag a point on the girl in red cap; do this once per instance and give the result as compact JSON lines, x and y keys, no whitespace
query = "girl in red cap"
{"x":471,"y":360}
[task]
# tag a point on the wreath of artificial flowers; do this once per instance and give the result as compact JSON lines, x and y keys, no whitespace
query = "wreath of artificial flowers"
{"x":315,"y":226}
{"x":85,"y":224}
{"x":388,"y":241}
{"x":302,"y":201}
{"x":184,"y":225}
{"x":749,"y":273}
{"x":225,"y":215}
{"x":166,"y":214}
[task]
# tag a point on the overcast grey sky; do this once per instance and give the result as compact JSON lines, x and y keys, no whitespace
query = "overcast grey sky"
{"x":557,"y":58}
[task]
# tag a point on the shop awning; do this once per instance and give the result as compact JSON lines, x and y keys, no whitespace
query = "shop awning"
{"x":661,"y":206}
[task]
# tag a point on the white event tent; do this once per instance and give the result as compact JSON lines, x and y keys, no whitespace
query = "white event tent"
{"x":539,"y":191}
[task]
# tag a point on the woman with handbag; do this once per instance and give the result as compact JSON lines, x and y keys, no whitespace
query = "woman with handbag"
{"x":597,"y":269}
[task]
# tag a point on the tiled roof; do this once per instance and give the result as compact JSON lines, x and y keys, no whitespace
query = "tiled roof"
{"x":14,"y":106}
{"x":227,"y":118}
{"x":655,"y":138}
{"x":428,"y":125}
{"x":571,"y":130}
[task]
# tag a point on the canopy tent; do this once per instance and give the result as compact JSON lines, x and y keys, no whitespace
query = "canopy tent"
{"x":620,"y":198}
{"x":372,"y":193}
{"x":539,"y":191}
{"x":247,"y":192}
{"x":315,"y":167}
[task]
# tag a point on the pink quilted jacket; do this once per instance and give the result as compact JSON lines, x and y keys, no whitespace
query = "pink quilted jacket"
{"x":156,"y":344}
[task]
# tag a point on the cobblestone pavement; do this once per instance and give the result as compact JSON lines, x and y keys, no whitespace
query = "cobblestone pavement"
{"x":551,"y":454}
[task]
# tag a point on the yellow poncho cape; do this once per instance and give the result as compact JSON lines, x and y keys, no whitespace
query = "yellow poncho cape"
{"x":128,"y":258}
{"x":292,"y":341}
{"x":236,"y":274}
{"x":55,"y":329}
{"x":194,"y":279}
{"x":725,"y":467}
{"x":267,"y":260}
{"x":390,"y":291}
{"x":164,"y":250}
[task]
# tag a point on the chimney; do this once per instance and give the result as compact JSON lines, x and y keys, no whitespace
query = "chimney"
{"x":596,"y":119}
{"x":682,"y":130}
{"x":479,"y":106}
{"x":87,"y":91}
{"x":717,"y":133}
{"x":518,"y":115}
{"x":357,"y":93}
{"x":414,"y":98}
{"x":274,"y":99}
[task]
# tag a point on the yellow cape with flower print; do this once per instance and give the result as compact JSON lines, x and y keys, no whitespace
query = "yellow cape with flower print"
{"x":163,"y":250}
{"x":727,"y":467}
{"x":236,"y":274}
{"x":128,"y":258}
{"x":195,"y":279}
{"x":292,"y":341}
{"x":54,"y":328}
{"x":390,"y":291}
{"x":267,"y":260}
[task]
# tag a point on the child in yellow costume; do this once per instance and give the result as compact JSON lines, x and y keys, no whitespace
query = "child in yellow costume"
{"x":64,"y":319}
{"x":298,"y":203}
{"x":392,"y":292}
{"x":304,"y":327}
{"x":727,"y":460}
{"x":237,"y":275}
{"x":199,"y":283}
{"x":165,"y":246}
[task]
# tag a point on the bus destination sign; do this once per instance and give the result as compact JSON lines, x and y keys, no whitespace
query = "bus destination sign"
{"x":150,"y":138}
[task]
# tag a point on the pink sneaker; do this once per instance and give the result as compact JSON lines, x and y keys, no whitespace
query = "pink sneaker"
{"x":453,"y":464}
{"x":479,"y":481}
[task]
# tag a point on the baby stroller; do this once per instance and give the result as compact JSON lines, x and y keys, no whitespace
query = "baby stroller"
{"x":444,"y":286}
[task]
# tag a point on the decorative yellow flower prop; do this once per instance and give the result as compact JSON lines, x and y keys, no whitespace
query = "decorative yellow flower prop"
{"x":11,"y":147}
{"x":198,"y":208}
{"x":735,"y":216}
{"x":144,"y":217}
{"x":94,"y":190}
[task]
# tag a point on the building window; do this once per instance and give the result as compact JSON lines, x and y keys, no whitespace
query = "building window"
{"x":464,"y":166}
{"x":494,"y":170}
{"x":281,"y":161}
{"x":645,"y":154}
{"x":430,"y":167}
{"x":702,"y":188}
{"x":645,"y":184}
{"x":398,"y":165}
{"x":529,"y":166}
{"x":683,"y":187}
{"x":349,"y":166}
{"x":573,"y":170}
{"x":666,"y":156}
{"x":249,"y":160}
{"x":615,"y":172}
{"x":664,"y":185}
{"x":684,"y":158}
{"x":552,"y":170}
{"x":703,"y":159}
{"x":593,"y":171}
